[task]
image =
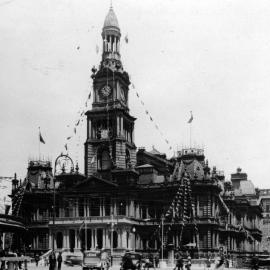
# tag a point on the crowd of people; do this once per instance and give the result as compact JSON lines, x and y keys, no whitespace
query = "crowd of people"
{"x":142,"y":262}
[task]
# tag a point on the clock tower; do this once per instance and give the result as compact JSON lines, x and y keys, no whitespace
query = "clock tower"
{"x":110,"y":128}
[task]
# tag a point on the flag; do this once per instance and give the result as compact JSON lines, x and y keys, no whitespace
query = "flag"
{"x":93,"y":160}
{"x":191,"y":118}
{"x":41,"y":138}
{"x":81,"y":226}
{"x":126,"y":38}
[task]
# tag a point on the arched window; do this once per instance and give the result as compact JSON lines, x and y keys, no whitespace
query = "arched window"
{"x":72,"y":240}
{"x":127,"y":239}
{"x":59,"y":240}
{"x":104,"y":160}
{"x":127,"y":159}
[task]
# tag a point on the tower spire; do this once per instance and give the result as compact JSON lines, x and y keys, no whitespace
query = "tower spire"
{"x":111,"y":41}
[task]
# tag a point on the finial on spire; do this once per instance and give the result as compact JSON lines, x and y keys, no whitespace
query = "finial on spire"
{"x":111,"y":6}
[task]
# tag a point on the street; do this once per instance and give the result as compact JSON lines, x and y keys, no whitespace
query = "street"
{"x":32,"y":266}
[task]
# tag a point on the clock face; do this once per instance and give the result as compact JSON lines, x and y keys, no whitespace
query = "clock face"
{"x":106,"y":90}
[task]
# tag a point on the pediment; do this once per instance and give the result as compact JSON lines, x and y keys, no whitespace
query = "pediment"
{"x":94,"y":183}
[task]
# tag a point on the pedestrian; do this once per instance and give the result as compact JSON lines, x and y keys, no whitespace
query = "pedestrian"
{"x":254,"y":263}
{"x":188,"y":265}
{"x":20,"y":262}
{"x":156,"y":259}
{"x":152,"y":261}
{"x":52,"y":261}
{"x":36,"y":259}
{"x":3,"y":263}
{"x":179,"y":261}
{"x":127,"y":263}
{"x":220,"y":263}
{"x":59,"y":260}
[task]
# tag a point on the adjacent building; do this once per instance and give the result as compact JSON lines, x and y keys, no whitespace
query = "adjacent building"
{"x":264,"y":201}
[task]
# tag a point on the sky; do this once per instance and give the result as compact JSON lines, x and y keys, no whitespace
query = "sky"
{"x":210,"y":57}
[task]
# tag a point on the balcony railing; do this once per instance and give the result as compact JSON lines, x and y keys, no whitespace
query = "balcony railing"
{"x":103,"y":219}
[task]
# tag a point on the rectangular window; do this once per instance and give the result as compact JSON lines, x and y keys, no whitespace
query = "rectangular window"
{"x":203,"y":207}
{"x":95,"y":207}
{"x":107,"y":206}
{"x":43,"y":241}
{"x":81,"y":207}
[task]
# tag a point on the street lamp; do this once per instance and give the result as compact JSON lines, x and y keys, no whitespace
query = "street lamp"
{"x":134,"y":232}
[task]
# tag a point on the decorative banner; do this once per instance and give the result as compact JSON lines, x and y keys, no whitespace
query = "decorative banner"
{"x":151,"y":118}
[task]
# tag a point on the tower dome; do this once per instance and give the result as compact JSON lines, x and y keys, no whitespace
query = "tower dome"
{"x":111,"y":20}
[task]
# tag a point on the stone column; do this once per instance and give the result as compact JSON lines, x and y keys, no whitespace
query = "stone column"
{"x":50,"y":239}
{"x":94,"y":233}
{"x":197,"y":205}
{"x":124,"y":238}
{"x":78,"y":240}
{"x":104,"y":237}
{"x":89,"y":129}
{"x":119,"y":238}
{"x":100,"y":207}
{"x":68,"y":246}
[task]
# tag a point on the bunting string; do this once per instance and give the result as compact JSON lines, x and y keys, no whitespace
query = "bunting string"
{"x":151,"y":118}
{"x":73,"y":129}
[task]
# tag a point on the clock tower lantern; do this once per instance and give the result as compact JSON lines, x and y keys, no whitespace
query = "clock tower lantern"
{"x":110,"y":128}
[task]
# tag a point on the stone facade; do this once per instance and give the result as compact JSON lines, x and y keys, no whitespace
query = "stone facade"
{"x":126,"y":197}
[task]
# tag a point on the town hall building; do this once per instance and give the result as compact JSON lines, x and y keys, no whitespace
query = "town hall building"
{"x":129,"y":198}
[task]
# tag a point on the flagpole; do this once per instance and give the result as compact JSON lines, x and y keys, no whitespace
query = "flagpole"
{"x":85,"y":232}
{"x":190,"y":130}
{"x":39,"y":144}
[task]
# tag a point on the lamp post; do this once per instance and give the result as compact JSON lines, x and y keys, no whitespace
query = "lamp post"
{"x":53,"y":229}
{"x":61,"y":163}
{"x":113,"y":222}
{"x":162,"y":236}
